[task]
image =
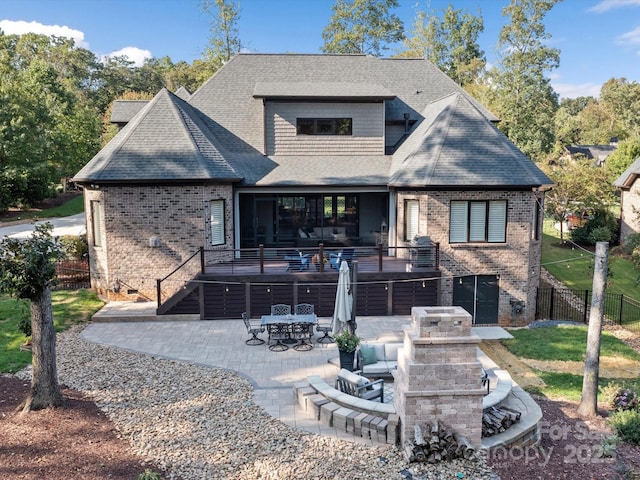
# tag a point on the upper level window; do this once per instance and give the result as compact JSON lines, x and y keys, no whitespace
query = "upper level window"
{"x":478,"y":221}
{"x":324,"y":126}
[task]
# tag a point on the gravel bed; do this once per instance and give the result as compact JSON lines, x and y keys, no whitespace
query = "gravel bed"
{"x":201,"y":423}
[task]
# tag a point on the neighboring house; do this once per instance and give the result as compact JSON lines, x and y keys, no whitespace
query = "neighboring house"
{"x":597,"y":153}
{"x":629,"y":200}
{"x":296,"y":150}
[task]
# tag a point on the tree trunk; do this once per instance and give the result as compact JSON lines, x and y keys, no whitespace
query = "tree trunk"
{"x":589,"y":401}
{"x":45,"y":390}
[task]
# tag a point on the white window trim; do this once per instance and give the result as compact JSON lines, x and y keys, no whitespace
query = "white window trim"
{"x":217,"y":221}
{"x":411,"y":219}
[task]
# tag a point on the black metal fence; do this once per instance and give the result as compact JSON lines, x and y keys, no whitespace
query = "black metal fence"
{"x":72,"y":275}
{"x":574,"y":305}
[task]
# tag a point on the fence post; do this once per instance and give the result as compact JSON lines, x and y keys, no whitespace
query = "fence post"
{"x":261,"y":250}
{"x":379,"y":257}
{"x":158,"y":294}
{"x":551,"y":302}
{"x":621,"y":307}
{"x":585,"y":310}
{"x":202,"y":260}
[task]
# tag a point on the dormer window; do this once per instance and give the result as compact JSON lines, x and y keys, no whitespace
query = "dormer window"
{"x":324,"y":126}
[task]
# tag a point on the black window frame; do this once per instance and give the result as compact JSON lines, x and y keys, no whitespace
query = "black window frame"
{"x":487,"y":221}
{"x":324,"y":126}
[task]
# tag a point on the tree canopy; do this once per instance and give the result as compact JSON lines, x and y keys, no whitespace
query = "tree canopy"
{"x":521,"y":93}
{"x":450,"y":42}
{"x":362,"y":26}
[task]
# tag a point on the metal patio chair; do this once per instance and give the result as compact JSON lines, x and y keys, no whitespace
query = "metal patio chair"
{"x":302,"y":332}
{"x":280,"y":309}
{"x":325,"y":329}
{"x":304,"y":309}
{"x":278,"y":332}
{"x":253,"y":330}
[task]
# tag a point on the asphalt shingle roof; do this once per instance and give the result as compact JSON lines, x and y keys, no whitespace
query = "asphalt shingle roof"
{"x":454,"y":145}
{"x":165,"y":141}
{"x":217,"y":133}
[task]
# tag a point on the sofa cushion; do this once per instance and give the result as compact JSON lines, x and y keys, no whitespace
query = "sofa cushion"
{"x":368,"y":355}
{"x":391,"y":351}
{"x":376,"y":369}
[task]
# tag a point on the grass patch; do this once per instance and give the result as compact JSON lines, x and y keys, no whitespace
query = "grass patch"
{"x":573,"y":266}
{"x":563,"y":342}
{"x":72,"y":207}
{"x":567,"y":386}
{"x":69,"y":308}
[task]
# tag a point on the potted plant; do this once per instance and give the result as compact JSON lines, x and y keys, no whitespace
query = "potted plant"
{"x":347,"y":343}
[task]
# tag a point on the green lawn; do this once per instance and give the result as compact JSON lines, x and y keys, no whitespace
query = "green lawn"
{"x":573,"y":266}
{"x":564,"y":342}
{"x":568,"y":343}
{"x":72,"y":207}
{"x":69,"y":308}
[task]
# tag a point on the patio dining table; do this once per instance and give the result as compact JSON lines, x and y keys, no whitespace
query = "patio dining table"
{"x":289,"y":320}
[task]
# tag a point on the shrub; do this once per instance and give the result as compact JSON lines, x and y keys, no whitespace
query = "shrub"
{"x":149,"y":475}
{"x":75,"y":247}
{"x":632,"y":242}
{"x":602,"y":227}
{"x":625,"y":399}
{"x":626,"y":423}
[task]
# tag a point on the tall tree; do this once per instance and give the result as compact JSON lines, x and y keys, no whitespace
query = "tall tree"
{"x":450,"y":42}
{"x":522,"y":95}
{"x":362,"y":26}
{"x":579,"y":186}
{"x":224,"y":42}
{"x":27,"y":268}
{"x":621,"y":99}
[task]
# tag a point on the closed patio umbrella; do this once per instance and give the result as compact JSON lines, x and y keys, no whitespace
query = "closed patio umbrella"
{"x":344,"y":300}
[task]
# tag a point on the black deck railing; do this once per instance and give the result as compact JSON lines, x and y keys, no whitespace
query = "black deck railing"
{"x":288,"y":261}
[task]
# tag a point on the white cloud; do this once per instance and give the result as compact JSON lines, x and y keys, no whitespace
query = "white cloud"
{"x":572,"y":90}
{"x":629,"y":38}
{"x":135,"y":54}
{"x":20,"y":27}
{"x":606,"y":5}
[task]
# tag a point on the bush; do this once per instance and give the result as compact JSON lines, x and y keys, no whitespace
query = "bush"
{"x":625,"y":399}
{"x":632,"y":242}
{"x":74,"y":246}
{"x":602,"y":227}
{"x":149,"y":475}
{"x":626,"y":423}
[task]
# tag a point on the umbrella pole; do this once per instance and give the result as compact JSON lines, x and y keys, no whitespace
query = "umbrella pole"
{"x":354,"y":287}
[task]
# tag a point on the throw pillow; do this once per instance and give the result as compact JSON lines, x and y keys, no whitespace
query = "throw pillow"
{"x":368,"y":355}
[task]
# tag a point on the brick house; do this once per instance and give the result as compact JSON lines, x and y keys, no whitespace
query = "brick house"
{"x":629,"y":200}
{"x":304,"y":151}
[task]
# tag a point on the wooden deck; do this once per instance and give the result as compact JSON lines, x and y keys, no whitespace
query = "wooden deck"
{"x":253,"y":281}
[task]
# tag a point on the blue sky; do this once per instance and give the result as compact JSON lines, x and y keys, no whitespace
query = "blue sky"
{"x":598,"y":39}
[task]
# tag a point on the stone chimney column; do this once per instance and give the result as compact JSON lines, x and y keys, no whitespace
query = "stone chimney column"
{"x":439,"y":374}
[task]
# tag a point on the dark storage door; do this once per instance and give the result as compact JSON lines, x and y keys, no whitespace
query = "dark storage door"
{"x":478,"y":295}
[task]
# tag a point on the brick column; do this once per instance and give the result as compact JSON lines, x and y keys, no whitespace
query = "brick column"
{"x":438,"y":376}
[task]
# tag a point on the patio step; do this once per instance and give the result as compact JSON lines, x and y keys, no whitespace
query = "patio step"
{"x":136,"y":312}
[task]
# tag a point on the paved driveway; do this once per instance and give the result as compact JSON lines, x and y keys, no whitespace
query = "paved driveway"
{"x":71,"y":225}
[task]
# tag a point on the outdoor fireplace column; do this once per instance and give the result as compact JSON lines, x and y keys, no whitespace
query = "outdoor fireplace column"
{"x":438,"y":375}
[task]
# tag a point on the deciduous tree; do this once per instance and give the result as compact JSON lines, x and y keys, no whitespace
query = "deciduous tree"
{"x":362,"y":26}
{"x":27,"y":268}
{"x":224,"y":42}
{"x":522,"y":95}
{"x":450,"y":42}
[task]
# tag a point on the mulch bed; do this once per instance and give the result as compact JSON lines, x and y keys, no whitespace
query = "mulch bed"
{"x":63,"y":443}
